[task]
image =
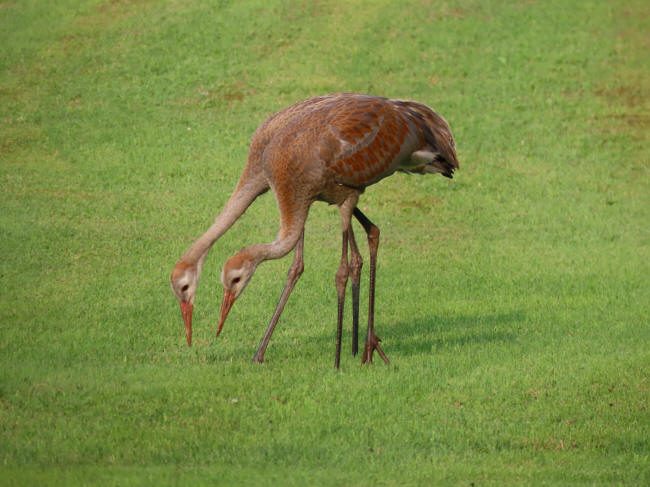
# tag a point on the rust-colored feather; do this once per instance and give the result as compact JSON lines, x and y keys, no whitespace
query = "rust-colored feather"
{"x":360,"y":139}
{"x":372,"y":137}
{"x":435,"y":131}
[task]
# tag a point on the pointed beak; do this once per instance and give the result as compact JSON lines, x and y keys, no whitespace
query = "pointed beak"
{"x":186,"y":311}
{"x":226,"y":304}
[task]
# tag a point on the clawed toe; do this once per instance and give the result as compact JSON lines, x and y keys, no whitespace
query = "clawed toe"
{"x":372,"y":344}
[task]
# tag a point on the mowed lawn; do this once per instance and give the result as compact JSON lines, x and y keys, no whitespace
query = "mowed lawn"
{"x":513,"y":300}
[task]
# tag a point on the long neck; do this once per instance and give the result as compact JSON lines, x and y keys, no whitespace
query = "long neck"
{"x":239,"y":201}
{"x":291,"y":229}
{"x":274,"y":250}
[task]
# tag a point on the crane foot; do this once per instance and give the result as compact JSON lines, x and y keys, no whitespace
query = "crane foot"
{"x":372,"y":344}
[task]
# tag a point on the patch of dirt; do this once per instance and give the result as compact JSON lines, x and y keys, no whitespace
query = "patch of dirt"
{"x":626,"y":88}
{"x":227,"y":94}
{"x":629,"y":95}
{"x":437,"y":11}
{"x":549,"y":444}
{"x":118,"y":8}
{"x":628,"y":111}
{"x":635,"y":120}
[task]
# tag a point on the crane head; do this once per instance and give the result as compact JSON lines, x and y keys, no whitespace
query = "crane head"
{"x":184,"y":280}
{"x":236,"y":274}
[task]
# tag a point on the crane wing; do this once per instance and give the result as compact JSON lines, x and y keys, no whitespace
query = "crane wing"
{"x":371,"y":137}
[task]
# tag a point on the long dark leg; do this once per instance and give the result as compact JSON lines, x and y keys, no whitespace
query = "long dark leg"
{"x":356,"y":262}
{"x":372,"y":341}
{"x":341,"y":282}
{"x":295,"y":271}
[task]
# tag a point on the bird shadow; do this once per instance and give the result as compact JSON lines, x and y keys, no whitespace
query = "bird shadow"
{"x":426,"y":334}
{"x":439,"y":332}
{"x":418,"y":336}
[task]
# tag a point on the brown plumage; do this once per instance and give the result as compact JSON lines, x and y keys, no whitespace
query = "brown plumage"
{"x":327,"y":148}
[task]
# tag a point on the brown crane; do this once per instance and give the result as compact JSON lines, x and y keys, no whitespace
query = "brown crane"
{"x":327,"y":148}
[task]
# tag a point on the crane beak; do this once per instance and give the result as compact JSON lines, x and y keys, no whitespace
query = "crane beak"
{"x":186,"y":311}
{"x":228,"y":299}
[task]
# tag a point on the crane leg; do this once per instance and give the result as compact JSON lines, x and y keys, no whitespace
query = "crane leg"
{"x":341,"y":280}
{"x":295,"y":271}
{"x":356,"y":262}
{"x":372,"y":340}
{"x":347,"y":268}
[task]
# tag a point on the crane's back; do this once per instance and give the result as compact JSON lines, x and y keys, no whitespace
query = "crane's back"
{"x":355,"y":139}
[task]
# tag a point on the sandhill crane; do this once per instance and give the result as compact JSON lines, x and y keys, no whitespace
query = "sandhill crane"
{"x":327,"y":148}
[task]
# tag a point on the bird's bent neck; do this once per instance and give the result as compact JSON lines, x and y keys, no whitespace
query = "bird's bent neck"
{"x":241,"y":199}
{"x":258,"y":253}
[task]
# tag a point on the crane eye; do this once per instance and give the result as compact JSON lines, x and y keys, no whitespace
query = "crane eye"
{"x":236,"y":280}
{"x":185,"y":287}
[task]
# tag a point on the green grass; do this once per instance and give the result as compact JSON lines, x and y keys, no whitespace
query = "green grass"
{"x":513,"y":301}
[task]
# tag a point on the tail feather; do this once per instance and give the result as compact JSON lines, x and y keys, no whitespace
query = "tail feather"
{"x":437,"y":134}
